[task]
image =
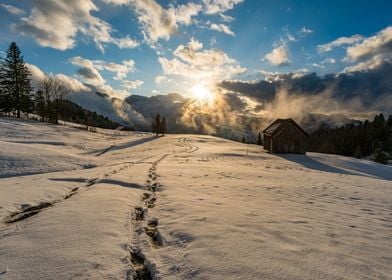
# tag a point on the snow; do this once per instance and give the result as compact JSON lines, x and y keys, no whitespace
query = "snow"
{"x":225,"y":210}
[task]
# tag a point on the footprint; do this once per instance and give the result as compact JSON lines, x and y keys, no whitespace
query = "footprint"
{"x":139,"y":213}
{"x":152,"y":231}
{"x":140,"y":269}
{"x":150,"y":203}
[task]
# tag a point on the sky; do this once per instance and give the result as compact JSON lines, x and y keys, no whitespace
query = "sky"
{"x":150,"y":47}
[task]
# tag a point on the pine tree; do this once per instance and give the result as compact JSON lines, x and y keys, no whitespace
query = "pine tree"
{"x":156,"y":124}
{"x":162,"y":127}
{"x":259,"y":140}
{"x":3,"y":96}
{"x":16,"y":81}
{"x":243,"y":140}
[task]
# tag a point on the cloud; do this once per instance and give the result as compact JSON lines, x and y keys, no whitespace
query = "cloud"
{"x":12,"y":9}
{"x":88,"y":72}
{"x":305,"y":31}
{"x":120,"y":70}
{"x":370,"y":64}
{"x":371,"y":53}
{"x":222,"y":28}
{"x":329,"y":60}
{"x":108,"y":105}
{"x":160,"y":79}
{"x":298,"y":94}
{"x":74,"y":85}
{"x":160,"y":23}
{"x":339,"y":42}
{"x":56,"y":24}
{"x":226,"y":18}
{"x":132,"y":84}
{"x":155,"y":21}
{"x":279,"y":56}
{"x":125,"y":43}
{"x":219,"y":6}
{"x":90,"y":75}
{"x":185,"y":12}
{"x":379,"y":44}
{"x":193,"y":62}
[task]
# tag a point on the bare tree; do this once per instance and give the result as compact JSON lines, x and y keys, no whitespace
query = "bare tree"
{"x":54,"y":91}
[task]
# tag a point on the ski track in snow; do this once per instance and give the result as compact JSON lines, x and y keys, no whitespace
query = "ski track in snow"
{"x":185,"y":207}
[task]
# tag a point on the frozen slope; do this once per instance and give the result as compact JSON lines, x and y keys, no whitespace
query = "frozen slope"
{"x":223,"y":210}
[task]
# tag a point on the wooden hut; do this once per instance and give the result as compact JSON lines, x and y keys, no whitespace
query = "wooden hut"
{"x":285,"y":136}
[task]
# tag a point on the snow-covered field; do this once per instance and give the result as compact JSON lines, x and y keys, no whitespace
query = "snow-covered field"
{"x":82,"y":205}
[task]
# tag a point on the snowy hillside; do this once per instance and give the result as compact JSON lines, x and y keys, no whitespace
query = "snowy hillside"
{"x":82,"y":205}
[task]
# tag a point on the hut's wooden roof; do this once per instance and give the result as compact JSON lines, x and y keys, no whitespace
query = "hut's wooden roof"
{"x":279,"y":124}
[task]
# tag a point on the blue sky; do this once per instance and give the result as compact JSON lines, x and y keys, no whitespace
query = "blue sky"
{"x":152,"y":47}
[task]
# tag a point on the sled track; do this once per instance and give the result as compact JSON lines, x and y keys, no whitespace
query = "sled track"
{"x":190,"y":148}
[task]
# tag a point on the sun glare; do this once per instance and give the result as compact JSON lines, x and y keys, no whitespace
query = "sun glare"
{"x":202,"y":93}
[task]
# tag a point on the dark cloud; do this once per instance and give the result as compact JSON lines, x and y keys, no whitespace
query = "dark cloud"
{"x":261,"y":90}
{"x":367,"y":87}
{"x":88,"y":73}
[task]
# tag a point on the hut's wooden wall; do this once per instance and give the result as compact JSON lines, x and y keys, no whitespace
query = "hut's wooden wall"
{"x":289,"y":140}
{"x":267,"y":142}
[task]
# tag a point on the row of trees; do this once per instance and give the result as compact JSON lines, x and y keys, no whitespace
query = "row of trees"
{"x":49,"y":102}
{"x":16,"y":92}
{"x":71,"y":112}
{"x":357,"y":140}
{"x":48,"y":99}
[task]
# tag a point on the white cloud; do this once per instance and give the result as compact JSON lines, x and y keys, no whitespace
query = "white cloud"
{"x":339,"y":42}
{"x":132,"y":84}
{"x":88,"y":72}
{"x":191,"y":61}
{"x":371,"y":52}
{"x":222,"y":28}
{"x":278,"y":56}
{"x":226,"y":18}
{"x":184,"y":13}
{"x":329,"y":60}
{"x":369,"y":64}
{"x":160,"y":79}
{"x":125,"y":43}
{"x":156,"y":21}
{"x":56,"y":24}
{"x":12,"y":9}
{"x":305,"y":31}
{"x":120,"y":70}
{"x":219,"y":6}
{"x":72,"y":84}
{"x":280,"y":76}
{"x":381,"y":43}
{"x":117,"y":2}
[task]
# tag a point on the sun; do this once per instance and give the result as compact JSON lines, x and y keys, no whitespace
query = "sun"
{"x":202,"y":93}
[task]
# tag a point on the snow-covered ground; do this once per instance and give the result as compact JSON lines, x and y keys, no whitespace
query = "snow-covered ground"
{"x":82,"y":205}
